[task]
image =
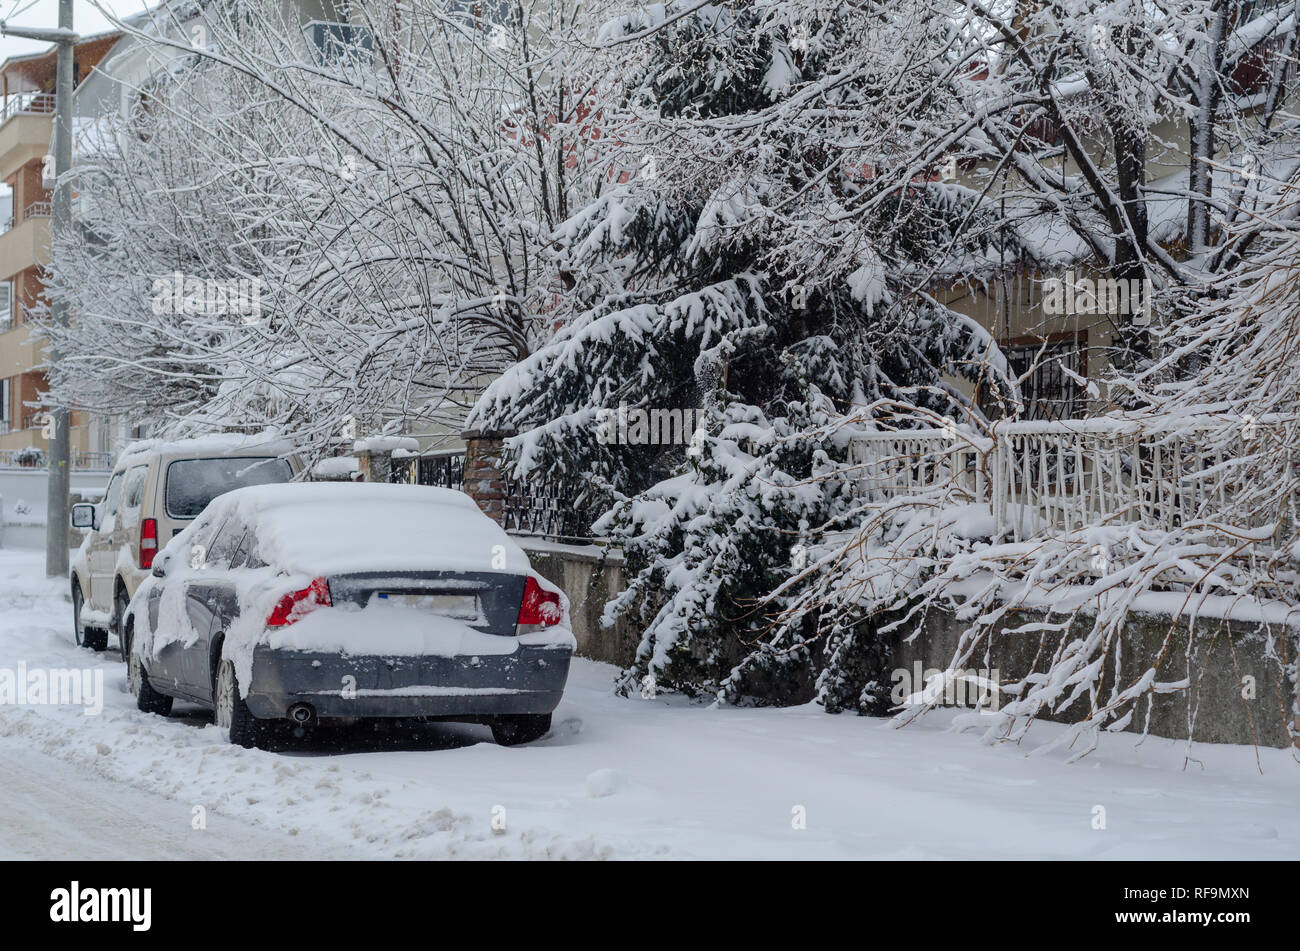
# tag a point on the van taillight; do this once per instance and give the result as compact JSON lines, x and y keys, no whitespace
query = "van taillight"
{"x":148,"y":542}
{"x":293,"y":606}
{"x":539,"y":607}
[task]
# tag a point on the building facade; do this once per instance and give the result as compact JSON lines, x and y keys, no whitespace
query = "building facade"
{"x":26,"y":127}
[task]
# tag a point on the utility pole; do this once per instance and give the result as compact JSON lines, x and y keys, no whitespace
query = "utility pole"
{"x":60,"y":439}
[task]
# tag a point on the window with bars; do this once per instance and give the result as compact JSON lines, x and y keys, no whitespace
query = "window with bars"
{"x":1048,"y":392}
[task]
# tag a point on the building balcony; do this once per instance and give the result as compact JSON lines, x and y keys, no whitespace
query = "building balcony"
{"x":20,"y":351}
{"x":26,"y":244}
{"x":25,"y":126}
{"x":15,"y":443}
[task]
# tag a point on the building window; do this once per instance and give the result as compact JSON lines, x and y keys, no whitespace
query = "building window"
{"x":337,"y":42}
{"x":6,"y":423}
{"x":1048,"y":392}
{"x":491,"y":11}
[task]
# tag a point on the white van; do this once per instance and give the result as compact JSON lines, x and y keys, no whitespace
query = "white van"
{"x":156,"y":489}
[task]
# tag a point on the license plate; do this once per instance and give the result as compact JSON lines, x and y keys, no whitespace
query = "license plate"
{"x":463,"y":606}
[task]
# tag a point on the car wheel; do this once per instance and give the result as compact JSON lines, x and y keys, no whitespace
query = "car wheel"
{"x":146,"y":698}
{"x":90,"y":637}
{"x":77,"y":601}
{"x":120,"y":605}
{"x":511,"y":731}
{"x":231,"y":712}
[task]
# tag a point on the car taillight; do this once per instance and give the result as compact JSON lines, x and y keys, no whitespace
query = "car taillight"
{"x":148,"y":542}
{"x":293,"y":607}
{"x":541,"y":608}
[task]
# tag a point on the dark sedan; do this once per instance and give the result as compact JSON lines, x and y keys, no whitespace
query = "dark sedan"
{"x":306,"y":604}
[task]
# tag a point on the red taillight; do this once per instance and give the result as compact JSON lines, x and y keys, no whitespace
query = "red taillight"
{"x":292,"y":607}
{"x":539,"y":607}
{"x":148,"y":542}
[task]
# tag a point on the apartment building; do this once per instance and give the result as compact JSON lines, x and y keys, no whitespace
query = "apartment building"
{"x":26,"y":127}
{"x":107,"y":67}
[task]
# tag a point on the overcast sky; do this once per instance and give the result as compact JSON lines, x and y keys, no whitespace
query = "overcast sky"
{"x":86,"y":20}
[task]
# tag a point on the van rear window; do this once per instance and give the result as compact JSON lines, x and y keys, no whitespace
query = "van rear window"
{"x":193,"y":483}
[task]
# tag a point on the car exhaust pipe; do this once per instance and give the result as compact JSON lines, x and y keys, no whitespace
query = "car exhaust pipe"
{"x":302,"y":714}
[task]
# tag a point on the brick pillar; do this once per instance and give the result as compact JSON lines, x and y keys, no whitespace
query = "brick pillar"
{"x":484,"y":482}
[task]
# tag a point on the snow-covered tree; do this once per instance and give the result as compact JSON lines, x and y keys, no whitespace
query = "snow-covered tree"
{"x":1163,"y":145}
{"x":390,"y":197}
{"x":764,"y":258}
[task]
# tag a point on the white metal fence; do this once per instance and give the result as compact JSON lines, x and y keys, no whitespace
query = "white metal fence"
{"x":1042,"y":477}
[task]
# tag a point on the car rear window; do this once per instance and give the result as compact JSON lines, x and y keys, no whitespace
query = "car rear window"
{"x":193,"y":483}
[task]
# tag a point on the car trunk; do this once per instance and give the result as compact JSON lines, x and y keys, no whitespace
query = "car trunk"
{"x":486,"y":601}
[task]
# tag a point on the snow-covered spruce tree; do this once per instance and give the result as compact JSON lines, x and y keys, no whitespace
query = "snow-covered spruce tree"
{"x":679,"y":294}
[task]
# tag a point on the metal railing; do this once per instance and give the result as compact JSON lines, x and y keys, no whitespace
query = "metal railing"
{"x":28,"y":104}
{"x":545,"y":509}
{"x":445,"y":469}
{"x":1041,"y":478}
{"x":22,"y":459}
{"x":37,"y":209}
{"x":93,"y":460}
{"x":33,"y":458}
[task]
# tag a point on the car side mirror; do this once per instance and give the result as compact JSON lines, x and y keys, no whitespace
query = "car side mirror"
{"x":83,"y":516}
{"x":160,"y":565}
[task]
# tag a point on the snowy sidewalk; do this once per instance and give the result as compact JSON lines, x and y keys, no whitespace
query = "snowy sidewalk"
{"x":617,"y":778}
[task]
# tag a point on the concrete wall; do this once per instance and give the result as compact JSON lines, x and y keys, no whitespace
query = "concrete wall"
{"x":1222,"y":654}
{"x":1213,"y":655}
{"x":590,"y":578}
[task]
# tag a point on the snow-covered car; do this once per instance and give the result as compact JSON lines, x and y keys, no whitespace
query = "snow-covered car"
{"x":309,"y":603}
{"x":156,"y":489}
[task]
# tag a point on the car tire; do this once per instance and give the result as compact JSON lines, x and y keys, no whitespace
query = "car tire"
{"x":89,"y":637}
{"x":147,"y":700}
{"x":230,"y":711}
{"x":120,"y":603}
{"x":512,"y":731}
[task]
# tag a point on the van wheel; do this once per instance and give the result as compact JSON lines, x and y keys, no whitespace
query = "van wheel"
{"x":120,"y":605}
{"x":147,"y":699}
{"x":90,"y":637}
{"x":231,"y":712}
{"x":511,"y":731}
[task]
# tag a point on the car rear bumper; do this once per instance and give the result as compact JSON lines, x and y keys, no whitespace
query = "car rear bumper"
{"x":530,"y":680}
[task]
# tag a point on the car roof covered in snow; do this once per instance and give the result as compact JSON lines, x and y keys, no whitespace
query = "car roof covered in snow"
{"x":213,"y":444}
{"x":336,"y":527}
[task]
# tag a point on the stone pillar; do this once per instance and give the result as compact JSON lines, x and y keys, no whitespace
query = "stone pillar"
{"x":484,"y":482}
{"x":375,"y":455}
{"x":375,"y":465}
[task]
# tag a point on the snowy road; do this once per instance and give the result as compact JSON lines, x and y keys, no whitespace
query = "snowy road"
{"x":55,"y":810}
{"x":617,"y":778}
